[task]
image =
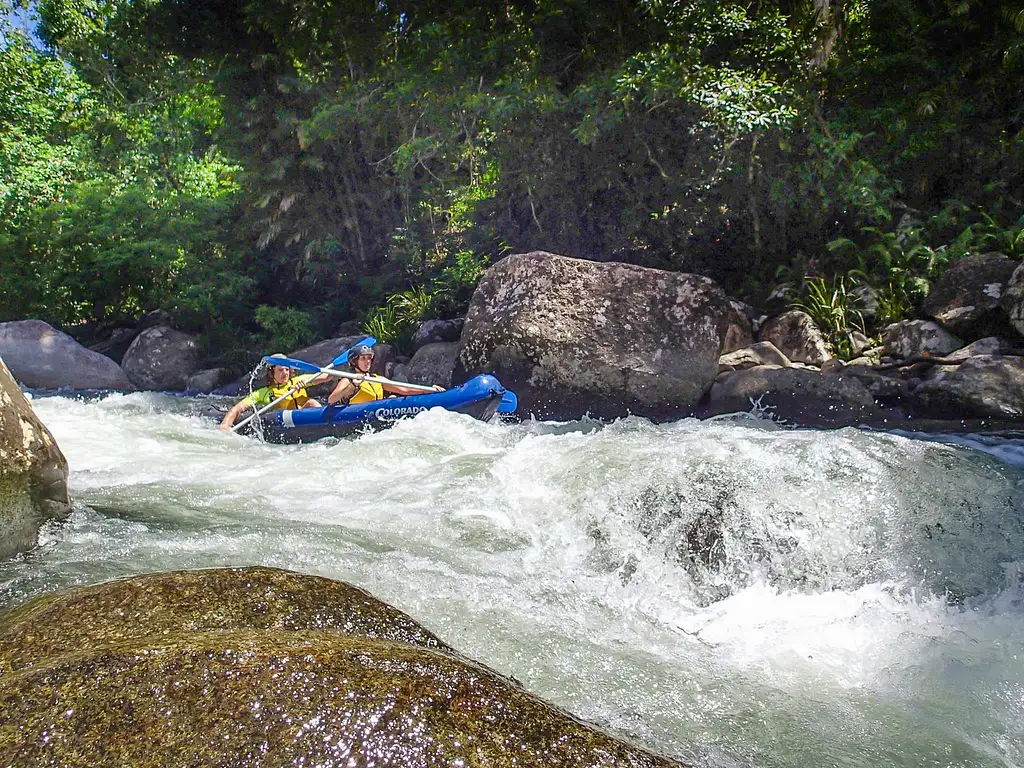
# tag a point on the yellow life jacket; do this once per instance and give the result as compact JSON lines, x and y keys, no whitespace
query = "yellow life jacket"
{"x":268,"y":394}
{"x":368,"y":391}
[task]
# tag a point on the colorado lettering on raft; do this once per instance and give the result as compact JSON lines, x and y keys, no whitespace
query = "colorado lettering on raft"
{"x":393,"y":414}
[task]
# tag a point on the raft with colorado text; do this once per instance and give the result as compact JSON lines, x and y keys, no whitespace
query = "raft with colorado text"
{"x":481,"y":397}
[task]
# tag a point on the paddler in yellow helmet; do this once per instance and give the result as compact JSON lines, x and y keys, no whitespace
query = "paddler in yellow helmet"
{"x":279,"y":382}
{"x":366,"y":389}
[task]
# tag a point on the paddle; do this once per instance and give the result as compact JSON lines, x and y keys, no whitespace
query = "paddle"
{"x":342,"y":358}
{"x":509,"y":402}
{"x":301,"y":365}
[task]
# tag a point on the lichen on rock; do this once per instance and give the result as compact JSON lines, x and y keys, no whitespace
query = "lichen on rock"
{"x":257,"y":666}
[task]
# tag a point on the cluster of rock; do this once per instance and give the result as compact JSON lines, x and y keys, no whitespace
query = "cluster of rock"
{"x":965,"y":364}
{"x":258,"y":666}
{"x":159,"y":357}
{"x":573,"y":337}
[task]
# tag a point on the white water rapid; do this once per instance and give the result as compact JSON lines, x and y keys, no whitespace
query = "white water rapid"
{"x":726,"y":592}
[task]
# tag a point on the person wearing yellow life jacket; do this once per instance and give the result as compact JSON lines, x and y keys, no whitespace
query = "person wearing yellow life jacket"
{"x":279,"y":382}
{"x":366,"y":389}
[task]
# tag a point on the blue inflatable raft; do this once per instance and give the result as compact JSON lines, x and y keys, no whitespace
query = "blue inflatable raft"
{"x":479,"y":397}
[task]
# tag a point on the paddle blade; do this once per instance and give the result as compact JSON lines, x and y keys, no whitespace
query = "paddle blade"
{"x":509,"y":402}
{"x":299,"y":365}
{"x":343,"y":357}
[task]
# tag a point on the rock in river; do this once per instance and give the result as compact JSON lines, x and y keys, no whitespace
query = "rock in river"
{"x":257,"y":666}
{"x":42,"y":357}
{"x":33,"y":471}
{"x":572,"y":337}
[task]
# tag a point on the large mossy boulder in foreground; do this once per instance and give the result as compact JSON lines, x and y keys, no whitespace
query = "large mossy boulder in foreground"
{"x":257,"y":666}
{"x":41,"y":357}
{"x":33,"y":471}
{"x":572,"y":337}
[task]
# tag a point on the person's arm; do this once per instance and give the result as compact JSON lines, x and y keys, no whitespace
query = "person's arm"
{"x":229,"y":418}
{"x":343,"y":391}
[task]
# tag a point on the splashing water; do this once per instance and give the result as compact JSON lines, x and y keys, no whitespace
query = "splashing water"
{"x":726,"y":591}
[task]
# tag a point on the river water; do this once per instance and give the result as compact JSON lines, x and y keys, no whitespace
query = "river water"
{"x":728,"y":592}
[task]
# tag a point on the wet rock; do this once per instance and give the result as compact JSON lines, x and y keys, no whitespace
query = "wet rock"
{"x":832,"y":366}
{"x":1012,"y":300}
{"x":886,"y":390}
{"x":795,"y":395}
{"x":433,"y":364}
{"x":739,"y":331}
{"x":571,"y":336}
{"x":437,"y":331}
{"x":797,"y":337}
{"x":969,"y":291}
{"x":983,"y":386}
{"x":206,"y":380}
{"x":33,"y":471}
{"x":255,"y":666}
{"x":161,"y":358}
{"x":919,"y":338}
{"x":117,"y":343}
{"x":39,"y":356}
{"x":859,"y":343}
{"x":761,"y":353}
{"x":990,"y":345}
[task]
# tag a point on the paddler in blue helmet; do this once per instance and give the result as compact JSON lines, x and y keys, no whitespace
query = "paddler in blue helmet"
{"x":366,"y":389}
{"x":280,"y":381}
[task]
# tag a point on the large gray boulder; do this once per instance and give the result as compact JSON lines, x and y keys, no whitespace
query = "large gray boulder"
{"x":33,"y":471}
{"x":795,"y":335}
{"x":41,"y":357}
{"x":256,"y":666}
{"x":969,"y":292}
{"x":919,"y":338}
{"x":572,"y":336}
{"x":433,"y":364}
{"x":794,"y":395}
{"x":161,"y":358}
{"x":982,"y":386}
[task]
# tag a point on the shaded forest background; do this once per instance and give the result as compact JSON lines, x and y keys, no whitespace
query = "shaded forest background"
{"x":267,"y":170}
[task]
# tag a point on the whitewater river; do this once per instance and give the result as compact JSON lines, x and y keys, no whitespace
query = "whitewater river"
{"x":727,"y":592}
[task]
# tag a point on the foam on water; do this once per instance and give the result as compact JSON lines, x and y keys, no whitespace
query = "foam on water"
{"x":726,"y":591}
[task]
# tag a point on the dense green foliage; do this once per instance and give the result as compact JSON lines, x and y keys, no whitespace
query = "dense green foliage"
{"x":266,"y":169}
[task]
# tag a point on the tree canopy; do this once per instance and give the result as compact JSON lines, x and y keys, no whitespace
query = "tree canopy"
{"x":270,"y":167}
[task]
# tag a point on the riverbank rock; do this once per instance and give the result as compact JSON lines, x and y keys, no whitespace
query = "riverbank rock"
{"x":255,"y":666}
{"x":795,"y":335}
{"x":968,"y":293}
{"x":919,"y":338}
{"x":762,"y":353}
{"x":206,"y":380}
{"x":433,"y":364}
{"x":437,"y":331}
{"x":41,"y":357}
{"x":796,"y":395}
{"x":33,"y":471}
{"x":1012,"y":301}
{"x":572,"y":337}
{"x":161,"y":358}
{"x":982,"y":386}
